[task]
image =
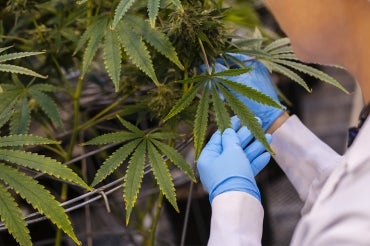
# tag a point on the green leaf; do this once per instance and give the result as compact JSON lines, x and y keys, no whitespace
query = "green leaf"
{"x":287,"y":72}
{"x":40,"y":198}
{"x":155,"y":38}
{"x":112,"y":57}
{"x":96,"y":36}
{"x":21,"y":140}
{"x":162,"y":175}
{"x":21,"y":117}
{"x":281,"y":50}
{"x":133,"y":178}
{"x":175,"y":157}
{"x":20,"y":70}
{"x":222,"y":116}
{"x":48,"y":106}
{"x":44,"y":87}
{"x":233,"y":72}
{"x":120,"y":11}
{"x":277,"y":44}
{"x":192,"y":80}
{"x":250,"y":93}
{"x":9,"y":99}
{"x":312,"y":72}
{"x":5,"y":115}
{"x":246,"y":116}
{"x":5,"y":48}
{"x":91,"y":31}
{"x":287,"y":56}
{"x":42,"y":164}
{"x":130,"y":126}
{"x":184,"y":101}
{"x":201,"y":123}
{"x":153,"y":8}
{"x":113,"y":137}
{"x":13,"y":56}
{"x":114,"y":161}
{"x":163,"y":135}
{"x":137,"y":51}
{"x":12,"y":218}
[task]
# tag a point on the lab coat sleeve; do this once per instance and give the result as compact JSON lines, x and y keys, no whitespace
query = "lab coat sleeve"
{"x":304,"y":158}
{"x":237,"y":219}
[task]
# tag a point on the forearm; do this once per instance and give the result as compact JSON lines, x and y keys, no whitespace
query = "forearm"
{"x":237,"y":219}
{"x":305,"y":159}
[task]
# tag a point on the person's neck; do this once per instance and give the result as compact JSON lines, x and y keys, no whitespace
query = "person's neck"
{"x":357,"y":58}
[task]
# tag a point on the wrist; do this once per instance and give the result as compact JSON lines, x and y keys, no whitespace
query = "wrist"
{"x":278,"y":122}
{"x":236,"y":183}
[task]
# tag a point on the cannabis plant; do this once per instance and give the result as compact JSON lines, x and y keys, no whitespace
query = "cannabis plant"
{"x":125,"y":74}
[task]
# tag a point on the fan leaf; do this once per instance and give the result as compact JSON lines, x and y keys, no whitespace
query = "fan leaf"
{"x":137,"y":51}
{"x":113,"y":137}
{"x":184,"y":101}
{"x":222,"y":116}
{"x":114,"y":161}
{"x":42,"y":164}
{"x":250,"y":93}
{"x":162,"y":175}
{"x":21,"y":140}
{"x":40,"y":198}
{"x":246,"y":116}
{"x":112,"y":57}
{"x":13,"y":56}
{"x":133,"y":178}
{"x":20,"y":70}
{"x":312,"y":72}
{"x":277,"y":44}
{"x":48,"y":106}
{"x":201,"y":123}
{"x":155,"y":38}
{"x":153,"y":8}
{"x":175,"y":157}
{"x":289,"y":73}
{"x":12,"y":218}
{"x":120,"y":11}
{"x":96,"y":35}
{"x":21,"y":117}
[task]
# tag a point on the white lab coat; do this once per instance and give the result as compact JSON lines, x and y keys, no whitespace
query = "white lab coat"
{"x":336,"y":191}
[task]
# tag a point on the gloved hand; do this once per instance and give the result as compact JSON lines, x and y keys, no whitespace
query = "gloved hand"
{"x":259,"y":79}
{"x":223,"y":165}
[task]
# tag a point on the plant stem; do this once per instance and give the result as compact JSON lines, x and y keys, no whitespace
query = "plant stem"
{"x":76,"y":117}
{"x":151,"y":239}
{"x":205,"y":57}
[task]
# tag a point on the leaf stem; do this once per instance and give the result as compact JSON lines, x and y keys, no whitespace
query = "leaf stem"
{"x":205,"y":57}
{"x":151,"y":240}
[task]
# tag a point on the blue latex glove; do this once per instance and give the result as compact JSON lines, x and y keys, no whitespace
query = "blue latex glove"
{"x":259,"y":79}
{"x":223,"y":165}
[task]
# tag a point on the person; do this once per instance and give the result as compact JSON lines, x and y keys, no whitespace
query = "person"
{"x":334,"y":188}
